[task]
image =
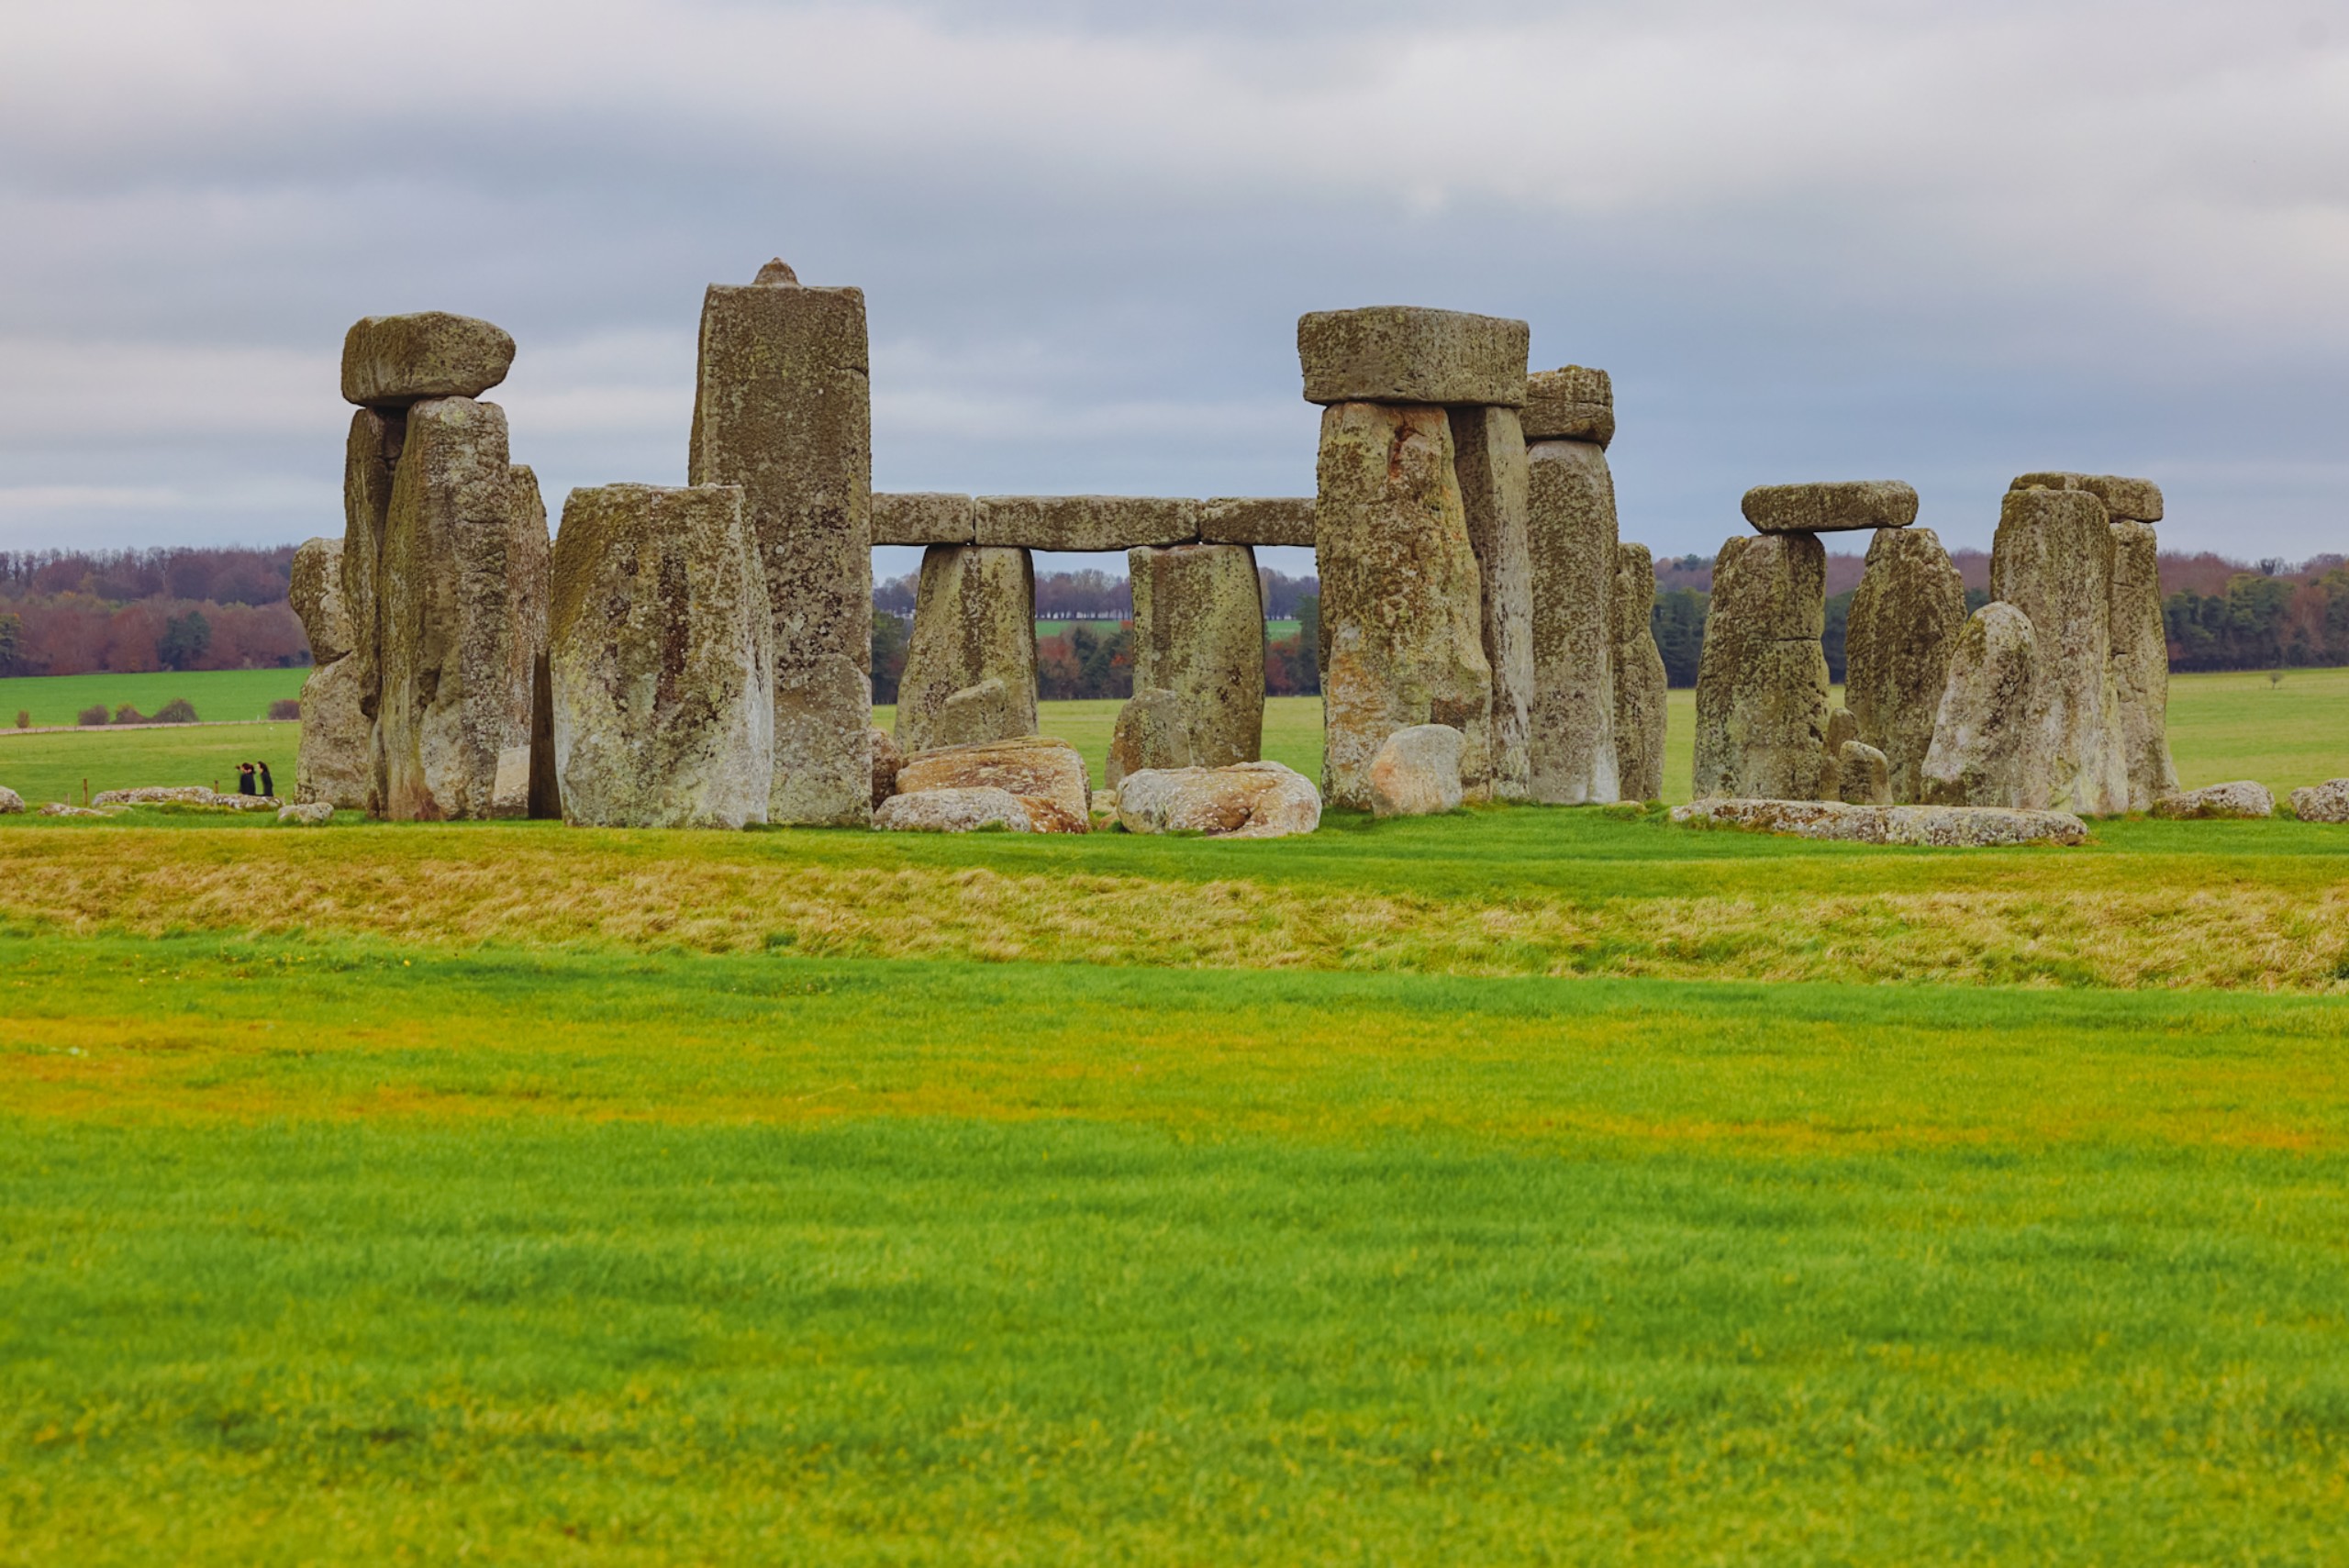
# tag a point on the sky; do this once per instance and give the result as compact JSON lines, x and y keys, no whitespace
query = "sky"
{"x":1941,"y":243}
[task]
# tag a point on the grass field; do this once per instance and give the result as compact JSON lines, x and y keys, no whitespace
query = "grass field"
{"x":1521,"y":1185}
{"x":218,"y":695}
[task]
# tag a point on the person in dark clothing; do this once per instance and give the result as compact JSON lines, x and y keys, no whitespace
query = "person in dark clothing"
{"x":268,"y":787}
{"x":245,"y":778}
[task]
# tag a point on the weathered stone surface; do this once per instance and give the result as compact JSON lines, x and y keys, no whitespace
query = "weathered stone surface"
{"x":1905,"y":621}
{"x":1085,"y":522}
{"x":1150,"y":734}
{"x":1397,"y":353}
{"x":334,"y":760}
{"x":59,"y":808}
{"x":1103,"y":809}
{"x":2141,"y":665}
{"x":1417,"y":772}
{"x":975,"y":714}
{"x":1984,"y":717}
{"x":369,"y":457}
{"x":924,"y":518}
{"x":390,"y":362}
{"x":2051,"y":558}
{"x":2327,"y":802}
{"x":1572,"y":404}
{"x":1036,"y":768}
{"x":1199,"y":633}
{"x":2242,"y":798}
{"x":185,"y":796}
{"x":1247,"y":800}
{"x":313,"y":814}
{"x":529,"y":573}
{"x":1761,"y":703}
{"x":886,"y":760}
{"x":1488,"y":455}
{"x":1638,"y":675}
{"x":316,"y":594}
{"x":11,"y":803}
{"x":1863,"y":776}
{"x":2130,"y":500}
{"x":1834,"y":507}
{"x":660,"y":659}
{"x":1402,"y":621}
{"x":1840,"y":726}
{"x":1252,"y":519}
{"x":954,"y":810}
{"x":1940,"y":826}
{"x":974,"y":620}
{"x":457,"y":630}
{"x":783,"y":407}
{"x":1571,"y":539}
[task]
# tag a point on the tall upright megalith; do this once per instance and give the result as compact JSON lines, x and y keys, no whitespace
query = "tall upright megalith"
{"x":1488,"y":454}
{"x":971,"y":656}
{"x":1638,"y":676}
{"x":1762,"y":707}
{"x":1905,"y":619}
{"x":2051,"y":558}
{"x":1569,"y":420}
{"x":2141,"y":663}
{"x":783,"y":407}
{"x":1199,"y":633}
{"x":1982,"y":724}
{"x":334,"y":762}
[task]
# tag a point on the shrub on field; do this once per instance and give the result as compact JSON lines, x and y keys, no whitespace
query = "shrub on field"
{"x":285,"y":708}
{"x":24,"y":720}
{"x":127,"y":714}
{"x":179,"y":710}
{"x":94,"y":714}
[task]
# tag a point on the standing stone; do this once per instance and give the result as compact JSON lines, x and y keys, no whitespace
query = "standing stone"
{"x":1984,"y":719}
{"x":1488,"y":454}
{"x":1639,"y":676}
{"x":1417,"y":772}
{"x":1762,"y":707}
{"x":1402,"y":621}
{"x":783,"y":407}
{"x":2141,"y":664}
{"x":1906,"y":617}
{"x":2051,"y":558}
{"x":1151,"y":733}
{"x":530,"y":571}
{"x":370,"y":457}
{"x":314,"y":590}
{"x":660,"y":659}
{"x":1572,"y":535}
{"x":334,"y":759}
{"x":974,"y":623}
{"x":1863,"y":777}
{"x":1199,"y":633}
{"x":456,"y":644}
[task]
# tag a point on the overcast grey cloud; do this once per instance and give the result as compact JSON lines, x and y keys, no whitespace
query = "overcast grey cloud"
{"x":1941,"y":242}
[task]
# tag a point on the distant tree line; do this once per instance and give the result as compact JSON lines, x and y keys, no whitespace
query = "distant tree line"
{"x":74,"y":611}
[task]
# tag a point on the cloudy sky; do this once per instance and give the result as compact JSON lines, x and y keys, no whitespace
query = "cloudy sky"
{"x":1941,"y":242}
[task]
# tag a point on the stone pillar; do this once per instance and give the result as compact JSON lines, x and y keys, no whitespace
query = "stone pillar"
{"x":661,"y":659}
{"x":971,"y":656}
{"x":529,"y":579}
{"x":370,"y":455}
{"x":1569,"y":420}
{"x":1488,"y":453}
{"x":1199,"y":633}
{"x":2141,"y":663}
{"x":1762,"y":709}
{"x":783,"y":407}
{"x":2053,"y":560}
{"x":1906,"y":617}
{"x":1403,"y":598}
{"x":335,"y":762}
{"x":1638,"y":675}
{"x":1984,"y":717}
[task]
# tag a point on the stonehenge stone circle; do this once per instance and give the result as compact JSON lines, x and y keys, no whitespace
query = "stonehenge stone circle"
{"x":2241,"y":798}
{"x":1574,"y":403}
{"x":2141,"y":664}
{"x":1199,"y":633}
{"x":2127,"y":500}
{"x":390,"y":362}
{"x":1404,"y":354}
{"x":1639,"y":677}
{"x":1981,"y":728}
{"x":1417,"y":772}
{"x":1488,"y":455}
{"x":1839,"y":507}
{"x":954,"y":810}
{"x":783,"y":407}
{"x":2051,"y":558}
{"x":1047,"y":775}
{"x":1152,"y":734}
{"x":662,"y":659}
{"x":334,"y":759}
{"x":1246,"y":800}
{"x":975,"y":621}
{"x":1939,"y":827}
{"x":2327,"y":802}
{"x":1762,"y":707}
{"x":1905,"y":620}
{"x":1572,"y":540}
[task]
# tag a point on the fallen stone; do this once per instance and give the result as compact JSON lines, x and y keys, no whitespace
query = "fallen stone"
{"x":1199,"y":633}
{"x":2242,"y":798}
{"x":1906,"y":617}
{"x":2053,"y":560}
{"x":2327,"y":802}
{"x":1762,"y":687}
{"x":924,"y":518}
{"x":11,"y":803}
{"x":184,"y":796}
{"x":1151,"y":735}
{"x":390,"y":362}
{"x":2141,"y":665}
{"x":658,"y":660}
{"x":312,"y":814}
{"x":1417,"y":772}
{"x":1827,"y":508}
{"x":886,"y":760}
{"x":59,"y":808}
{"x":1572,"y":542}
{"x":314,"y":592}
{"x":1863,"y":776}
{"x":1404,"y":354}
{"x":1035,"y":768}
{"x":1488,"y":455}
{"x":1247,"y":519}
{"x":1639,"y":677}
{"x":1980,"y":725}
{"x":1573,"y":404}
{"x":334,"y":759}
{"x":2131,"y":500}
{"x":954,"y":810}
{"x":974,"y":620}
{"x":1402,"y":622}
{"x":1940,"y":826}
{"x":1247,"y":800}
{"x":1085,"y":522}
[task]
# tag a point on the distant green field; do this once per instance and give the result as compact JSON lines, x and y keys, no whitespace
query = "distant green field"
{"x":218,"y":694}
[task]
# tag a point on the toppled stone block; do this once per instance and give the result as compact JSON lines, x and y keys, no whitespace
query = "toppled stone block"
{"x":975,"y":621}
{"x":954,"y":810}
{"x":1640,"y":679}
{"x":311,"y":814}
{"x":1983,"y":721}
{"x":2241,"y":798}
{"x":1199,"y":633}
{"x":1085,"y":522}
{"x":660,"y":659}
{"x":1571,"y":538}
{"x":59,"y":808}
{"x":1863,"y":777}
{"x":184,"y":798}
{"x":1488,"y":455}
{"x":1570,"y":403}
{"x":1045,"y":773}
{"x":1417,"y":772}
{"x":2131,"y":500}
{"x":1247,"y":800}
{"x":1935,"y":827}
{"x":11,"y":803}
{"x":2053,"y":560}
{"x":1762,"y":687}
{"x":1397,"y":353}
{"x":1906,"y":618}
{"x":2327,"y":802}
{"x":1826,"y":508}
{"x":314,"y":592}
{"x":886,"y":760}
{"x":2141,"y":665}
{"x":334,"y":759}
{"x":1151,"y":735}
{"x":924,"y":518}
{"x":1247,"y":519}
{"x":390,"y":362}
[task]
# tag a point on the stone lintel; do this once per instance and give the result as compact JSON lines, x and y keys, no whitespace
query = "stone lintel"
{"x":390,"y":362}
{"x":922,"y":516}
{"x":2126,"y":499}
{"x":1827,"y":508}
{"x":1574,"y":403}
{"x":1397,"y":353}
{"x":1256,"y":519}
{"x":1089,"y":523}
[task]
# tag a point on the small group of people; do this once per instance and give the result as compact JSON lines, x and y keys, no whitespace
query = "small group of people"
{"x":249,"y":783}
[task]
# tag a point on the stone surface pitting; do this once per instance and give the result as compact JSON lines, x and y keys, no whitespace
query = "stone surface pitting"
{"x":1906,"y":618}
{"x":2053,"y":560}
{"x":1571,"y":538}
{"x":2327,"y":802}
{"x":1762,"y":687}
{"x":1257,"y":519}
{"x":1570,"y":403}
{"x":390,"y":362}
{"x":1417,"y":772}
{"x":2141,"y":664}
{"x":954,"y":810}
{"x":1199,"y":633}
{"x":1488,"y":456}
{"x":1407,"y":354}
{"x":1247,"y":800}
{"x":1982,"y":723}
{"x":1639,"y":677}
{"x":1087,"y":523}
{"x":1834,"y":506}
{"x":2126,"y":499}
{"x":975,"y":621}
{"x":2239,"y":798}
{"x":924,"y":518}
{"x":1937,"y":827}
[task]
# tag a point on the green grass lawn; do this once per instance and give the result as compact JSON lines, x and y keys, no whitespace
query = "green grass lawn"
{"x":218,"y":695}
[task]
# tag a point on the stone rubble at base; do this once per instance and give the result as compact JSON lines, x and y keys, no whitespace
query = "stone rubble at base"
{"x":1972,"y":827}
{"x":2242,"y":798}
{"x":2327,"y":802}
